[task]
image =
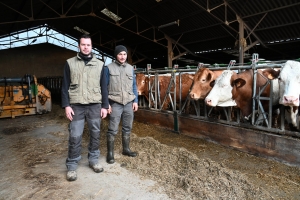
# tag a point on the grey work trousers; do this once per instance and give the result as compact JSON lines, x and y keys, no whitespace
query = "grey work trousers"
{"x":120,"y":111}
{"x":91,"y":113}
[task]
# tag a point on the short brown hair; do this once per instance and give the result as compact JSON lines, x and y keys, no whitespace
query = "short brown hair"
{"x":86,"y":36}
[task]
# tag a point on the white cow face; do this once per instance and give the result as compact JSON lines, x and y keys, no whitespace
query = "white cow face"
{"x":221,"y":95}
{"x":289,"y":84}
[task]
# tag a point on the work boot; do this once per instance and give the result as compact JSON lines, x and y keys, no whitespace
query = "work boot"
{"x":110,"y":149}
{"x":96,"y":167}
{"x":71,"y":175}
{"x":126,"y":149}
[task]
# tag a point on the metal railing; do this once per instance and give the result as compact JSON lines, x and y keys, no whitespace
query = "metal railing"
{"x":261,"y":119}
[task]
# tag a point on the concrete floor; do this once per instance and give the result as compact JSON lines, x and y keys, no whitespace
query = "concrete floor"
{"x":33,"y":150}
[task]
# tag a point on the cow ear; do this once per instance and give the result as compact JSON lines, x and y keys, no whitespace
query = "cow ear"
{"x":238,"y":83}
{"x":191,"y":77}
{"x":209,"y":77}
{"x":212,"y":83}
{"x":271,"y":73}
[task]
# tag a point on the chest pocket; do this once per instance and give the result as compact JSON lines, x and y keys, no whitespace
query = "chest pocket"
{"x":129,"y":81}
{"x":115,"y":83}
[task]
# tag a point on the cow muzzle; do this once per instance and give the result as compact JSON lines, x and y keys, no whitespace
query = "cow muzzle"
{"x":194,"y":96}
{"x":291,"y":100}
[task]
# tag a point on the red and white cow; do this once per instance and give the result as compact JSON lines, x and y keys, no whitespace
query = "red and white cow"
{"x":164,"y":81}
{"x":289,"y":86}
{"x":220,"y":94}
{"x":202,"y":82}
{"x":232,"y":89}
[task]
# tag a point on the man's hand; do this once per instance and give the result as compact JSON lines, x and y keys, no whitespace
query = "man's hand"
{"x":135,"y":107}
{"x":103,"y":113}
{"x":69,"y":113}
{"x":109,"y":110}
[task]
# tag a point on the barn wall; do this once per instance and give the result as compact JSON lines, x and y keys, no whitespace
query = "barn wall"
{"x":40,"y":60}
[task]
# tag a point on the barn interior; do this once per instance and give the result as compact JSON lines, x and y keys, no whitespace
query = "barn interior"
{"x":162,"y":33}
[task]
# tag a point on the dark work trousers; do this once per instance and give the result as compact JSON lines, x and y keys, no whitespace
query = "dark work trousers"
{"x":91,"y":113}
{"x":120,"y":111}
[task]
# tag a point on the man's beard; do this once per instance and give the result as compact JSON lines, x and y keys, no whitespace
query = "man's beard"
{"x":85,"y":55}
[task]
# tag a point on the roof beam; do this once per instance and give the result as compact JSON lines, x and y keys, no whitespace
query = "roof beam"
{"x":166,"y":36}
{"x":271,"y":10}
{"x":256,"y":25}
{"x":278,"y":26}
{"x":29,"y":18}
{"x":208,"y":11}
{"x":245,"y":24}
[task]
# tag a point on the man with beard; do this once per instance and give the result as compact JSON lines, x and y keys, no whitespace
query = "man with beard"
{"x":123,"y":101}
{"x":84,"y":99}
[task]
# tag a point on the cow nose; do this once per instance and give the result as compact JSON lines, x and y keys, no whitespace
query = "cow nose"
{"x":291,"y":99}
{"x":208,"y":101}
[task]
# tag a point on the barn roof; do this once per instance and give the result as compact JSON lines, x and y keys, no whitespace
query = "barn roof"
{"x":200,"y":31}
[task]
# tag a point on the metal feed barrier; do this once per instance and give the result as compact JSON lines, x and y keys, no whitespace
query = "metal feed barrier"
{"x":260,"y":119}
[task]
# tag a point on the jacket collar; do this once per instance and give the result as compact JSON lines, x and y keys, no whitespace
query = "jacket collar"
{"x":120,"y":64}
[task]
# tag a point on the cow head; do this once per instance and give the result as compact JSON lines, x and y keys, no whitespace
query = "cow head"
{"x":141,"y":82}
{"x":242,"y":90}
{"x":202,"y":83}
{"x":221,"y":95}
{"x":289,"y":82}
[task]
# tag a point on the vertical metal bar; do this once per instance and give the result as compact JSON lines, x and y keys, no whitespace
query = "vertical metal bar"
{"x":159,"y":103}
{"x":180,"y":91}
{"x":254,"y":62}
{"x":156,"y":88}
{"x":174,"y":92}
{"x":149,"y":89}
{"x":270,"y":104}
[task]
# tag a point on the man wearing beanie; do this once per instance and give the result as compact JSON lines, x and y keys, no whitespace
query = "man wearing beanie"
{"x":123,"y":101}
{"x":84,"y":98}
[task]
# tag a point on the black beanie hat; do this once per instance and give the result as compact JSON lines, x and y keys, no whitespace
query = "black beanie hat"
{"x":119,"y":49}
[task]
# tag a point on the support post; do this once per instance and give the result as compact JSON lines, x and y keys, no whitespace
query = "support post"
{"x":241,"y":41}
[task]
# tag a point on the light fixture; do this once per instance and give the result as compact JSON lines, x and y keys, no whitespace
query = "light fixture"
{"x":111,"y":15}
{"x":81,"y":30}
{"x":169,"y":24}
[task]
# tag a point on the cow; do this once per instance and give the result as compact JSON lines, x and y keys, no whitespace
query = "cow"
{"x":232,"y":89}
{"x":164,"y":81}
{"x":289,"y":86}
{"x":201,"y":84}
